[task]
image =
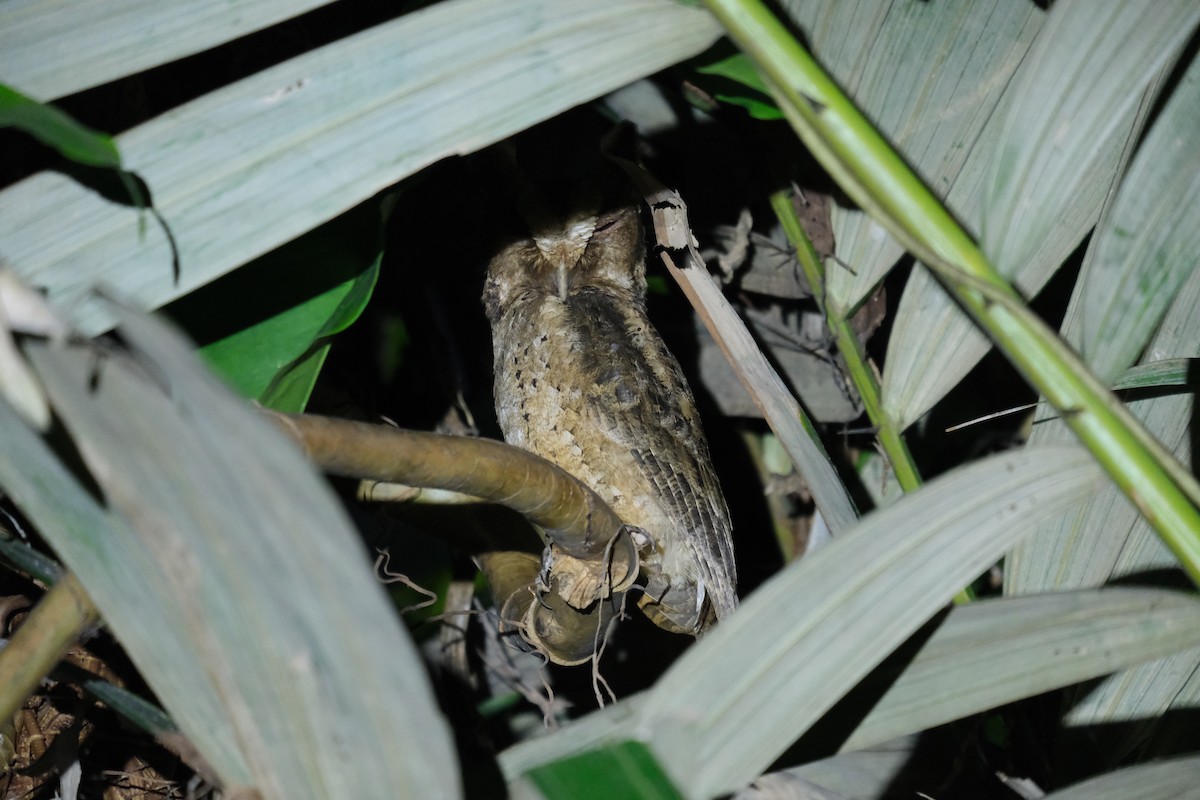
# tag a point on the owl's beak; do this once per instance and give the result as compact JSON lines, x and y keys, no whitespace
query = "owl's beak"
{"x":562,"y":280}
{"x":563,"y":246}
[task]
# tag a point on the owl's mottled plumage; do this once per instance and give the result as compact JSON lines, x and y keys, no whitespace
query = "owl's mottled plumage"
{"x":584,"y":380}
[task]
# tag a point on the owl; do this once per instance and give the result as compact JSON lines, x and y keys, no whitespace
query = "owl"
{"x":584,"y":380}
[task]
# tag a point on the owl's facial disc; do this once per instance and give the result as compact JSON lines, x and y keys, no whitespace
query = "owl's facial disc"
{"x":564,"y":247}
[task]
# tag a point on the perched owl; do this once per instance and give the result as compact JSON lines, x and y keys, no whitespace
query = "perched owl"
{"x":583,"y":379}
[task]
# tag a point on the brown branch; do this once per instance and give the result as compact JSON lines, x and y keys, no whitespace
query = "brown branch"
{"x":561,"y":604}
{"x":54,"y":625}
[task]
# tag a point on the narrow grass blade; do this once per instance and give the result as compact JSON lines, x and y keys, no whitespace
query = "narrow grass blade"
{"x":1159,"y":374}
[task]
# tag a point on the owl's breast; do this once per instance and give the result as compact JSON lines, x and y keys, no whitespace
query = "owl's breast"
{"x":548,"y":368}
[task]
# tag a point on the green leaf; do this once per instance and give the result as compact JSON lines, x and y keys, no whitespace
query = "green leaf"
{"x":1165,"y":780}
{"x":980,"y":656}
{"x":231,"y":574}
{"x":764,"y":109}
{"x":740,"y":70}
{"x":25,"y":558}
{"x":56,"y":129}
{"x":626,"y":769}
{"x":1054,"y":148}
{"x":244,"y":169}
{"x":1146,"y":244}
{"x":929,"y":75}
{"x":293,"y":385}
{"x":994,"y":652}
{"x":137,"y":710}
{"x":264,"y":327}
{"x":734,"y":701}
{"x":51,"y":49}
{"x":1156,"y":374}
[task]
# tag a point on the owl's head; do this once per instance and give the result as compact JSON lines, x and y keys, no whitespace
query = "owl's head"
{"x":585,"y":250}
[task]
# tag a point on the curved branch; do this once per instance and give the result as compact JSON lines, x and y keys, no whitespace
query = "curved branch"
{"x":590,"y":557}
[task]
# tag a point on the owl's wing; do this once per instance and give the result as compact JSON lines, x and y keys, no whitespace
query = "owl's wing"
{"x":641,"y":401}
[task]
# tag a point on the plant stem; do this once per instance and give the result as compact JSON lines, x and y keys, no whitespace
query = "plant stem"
{"x":55,"y":624}
{"x":861,"y":372}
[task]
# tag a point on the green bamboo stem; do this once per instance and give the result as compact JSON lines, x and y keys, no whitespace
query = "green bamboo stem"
{"x":861,"y":373}
{"x":876,"y":177}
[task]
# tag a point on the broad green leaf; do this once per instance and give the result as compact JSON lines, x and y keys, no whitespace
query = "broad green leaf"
{"x":100,"y":548}
{"x":1107,"y":538}
{"x":625,"y":769}
{"x":245,"y":589}
{"x":734,"y":702}
{"x":292,"y":386}
{"x":1052,"y":153}
{"x":52,"y":48}
{"x":982,"y":655}
{"x":1146,"y":244}
{"x":993,"y":652}
{"x":275,"y":313}
{"x":55,"y":128}
{"x":240,"y":171}
{"x":1075,"y":91}
{"x":739,"y":70}
{"x":1174,"y":779}
{"x":929,"y":76}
